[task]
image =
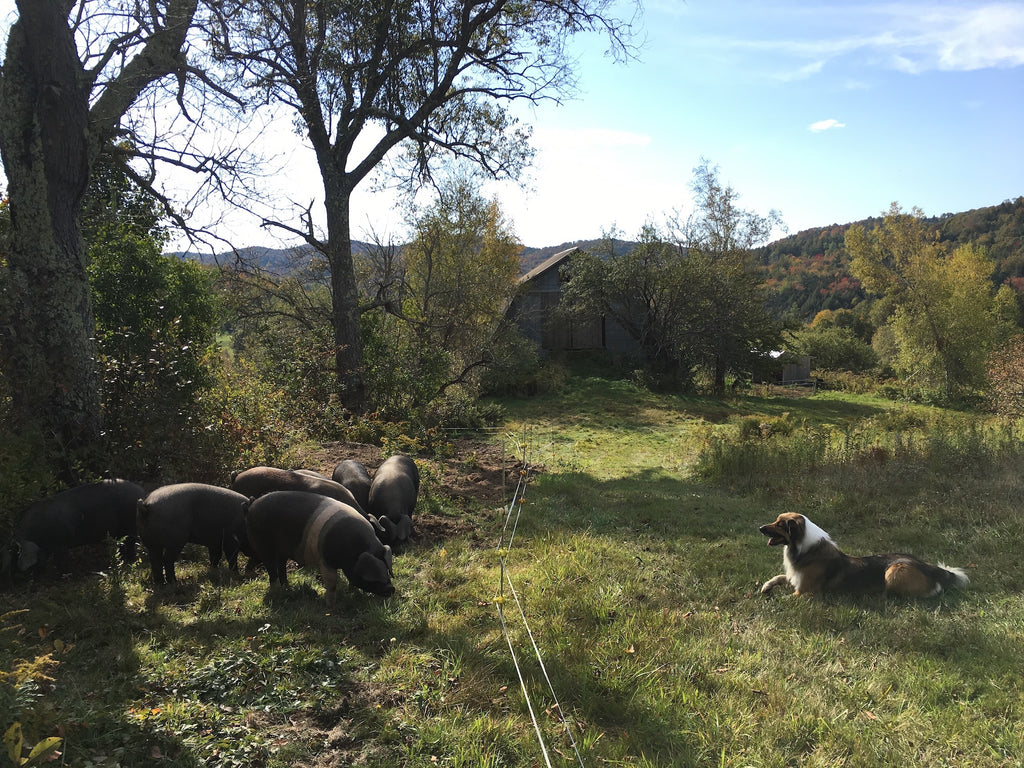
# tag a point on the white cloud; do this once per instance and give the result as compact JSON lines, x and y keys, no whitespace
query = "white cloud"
{"x":802,"y":73}
{"x":909,"y":36}
{"x":825,"y":125}
{"x":977,"y":38}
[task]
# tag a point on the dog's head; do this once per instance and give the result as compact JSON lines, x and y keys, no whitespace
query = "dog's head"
{"x":788,"y":529}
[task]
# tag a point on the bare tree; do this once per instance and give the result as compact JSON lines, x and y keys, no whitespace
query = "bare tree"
{"x":73,"y":69}
{"x":410,"y":80}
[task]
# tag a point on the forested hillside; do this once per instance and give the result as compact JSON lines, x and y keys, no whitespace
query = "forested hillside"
{"x":806,"y":272}
{"x":809,"y":271}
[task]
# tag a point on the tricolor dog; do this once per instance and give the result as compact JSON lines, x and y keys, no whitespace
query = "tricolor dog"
{"x":814,"y":565}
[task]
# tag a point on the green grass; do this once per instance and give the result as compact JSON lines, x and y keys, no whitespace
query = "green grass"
{"x":637,"y":561}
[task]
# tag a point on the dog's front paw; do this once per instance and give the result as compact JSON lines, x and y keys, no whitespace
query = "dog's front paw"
{"x":771,"y":584}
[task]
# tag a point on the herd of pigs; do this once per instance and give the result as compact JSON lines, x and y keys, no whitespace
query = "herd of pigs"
{"x":349,"y":521}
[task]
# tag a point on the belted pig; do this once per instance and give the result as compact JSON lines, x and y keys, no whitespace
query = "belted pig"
{"x":312,"y":473}
{"x":78,"y":517}
{"x":353,"y":475}
{"x":260,"y":480}
{"x":392,"y":498}
{"x":319,"y":532}
{"x":208,"y":515}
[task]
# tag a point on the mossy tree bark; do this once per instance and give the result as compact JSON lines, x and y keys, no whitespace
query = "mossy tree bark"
{"x":57,"y":116}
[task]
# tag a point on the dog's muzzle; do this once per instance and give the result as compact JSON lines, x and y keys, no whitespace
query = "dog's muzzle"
{"x":774,"y":539}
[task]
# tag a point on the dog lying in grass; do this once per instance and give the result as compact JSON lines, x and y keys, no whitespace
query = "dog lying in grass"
{"x":814,"y":564}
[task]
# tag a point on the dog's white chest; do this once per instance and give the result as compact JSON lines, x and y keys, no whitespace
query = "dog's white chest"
{"x":792,"y":572}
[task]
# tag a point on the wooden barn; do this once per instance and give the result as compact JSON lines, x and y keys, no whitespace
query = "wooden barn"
{"x":534,"y":310}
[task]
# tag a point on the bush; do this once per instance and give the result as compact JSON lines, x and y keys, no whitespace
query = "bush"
{"x":846,"y":381}
{"x":24,"y":474}
{"x":1005,"y":371}
{"x":835,"y":349}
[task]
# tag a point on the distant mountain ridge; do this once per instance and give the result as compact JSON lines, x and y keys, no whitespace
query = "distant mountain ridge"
{"x":806,"y":272}
{"x":284,"y":260}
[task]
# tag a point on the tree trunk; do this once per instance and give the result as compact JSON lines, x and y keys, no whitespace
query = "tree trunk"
{"x":348,"y":347}
{"x":46,"y":336}
{"x":718,"y":384}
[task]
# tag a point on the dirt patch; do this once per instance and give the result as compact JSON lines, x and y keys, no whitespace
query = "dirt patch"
{"x":477,"y":476}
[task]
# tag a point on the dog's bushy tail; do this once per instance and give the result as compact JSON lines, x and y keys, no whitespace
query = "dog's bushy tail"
{"x":952,"y":578}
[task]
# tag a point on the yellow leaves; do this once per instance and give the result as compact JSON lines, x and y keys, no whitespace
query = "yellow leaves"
{"x":145,"y":713}
{"x":12,"y":743}
{"x":44,"y":750}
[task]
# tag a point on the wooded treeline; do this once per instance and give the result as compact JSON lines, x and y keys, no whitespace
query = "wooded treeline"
{"x":810,"y":271}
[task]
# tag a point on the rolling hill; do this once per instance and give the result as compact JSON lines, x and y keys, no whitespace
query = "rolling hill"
{"x":806,"y":272}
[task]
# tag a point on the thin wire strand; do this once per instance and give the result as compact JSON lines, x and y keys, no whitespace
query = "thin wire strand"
{"x":517,"y":507}
{"x":543,"y":669}
{"x":522,"y":684}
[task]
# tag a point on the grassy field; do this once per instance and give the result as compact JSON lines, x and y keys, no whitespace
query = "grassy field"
{"x":637,"y":562}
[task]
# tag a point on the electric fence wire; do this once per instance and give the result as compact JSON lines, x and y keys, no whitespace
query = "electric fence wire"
{"x":516,"y":505}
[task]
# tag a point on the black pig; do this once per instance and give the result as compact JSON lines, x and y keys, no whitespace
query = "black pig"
{"x":260,"y":480}
{"x":175,"y":515}
{"x":396,"y":484}
{"x":78,"y":517}
{"x":353,"y":475}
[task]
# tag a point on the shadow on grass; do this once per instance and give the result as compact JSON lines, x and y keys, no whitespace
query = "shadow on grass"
{"x":84,"y":623}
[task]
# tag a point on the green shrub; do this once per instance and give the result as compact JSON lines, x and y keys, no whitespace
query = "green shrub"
{"x":846,"y":381}
{"x":835,"y":349}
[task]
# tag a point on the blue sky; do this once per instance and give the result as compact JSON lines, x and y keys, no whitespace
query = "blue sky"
{"x":825,"y":111}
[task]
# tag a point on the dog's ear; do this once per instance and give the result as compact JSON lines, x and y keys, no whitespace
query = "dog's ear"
{"x":793,"y":526}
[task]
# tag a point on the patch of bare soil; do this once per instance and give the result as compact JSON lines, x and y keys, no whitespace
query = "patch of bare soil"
{"x":476,"y":476}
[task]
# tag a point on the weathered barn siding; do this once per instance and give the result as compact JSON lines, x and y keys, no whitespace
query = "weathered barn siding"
{"x":534,"y":310}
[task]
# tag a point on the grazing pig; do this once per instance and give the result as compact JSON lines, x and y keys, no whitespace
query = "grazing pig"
{"x":396,"y":484}
{"x":353,"y":475}
{"x":77,"y":517}
{"x":312,"y":473}
{"x":320,"y":532}
{"x":260,"y":480}
{"x":175,"y":515}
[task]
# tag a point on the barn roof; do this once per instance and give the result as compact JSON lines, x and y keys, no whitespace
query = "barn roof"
{"x":549,"y":263}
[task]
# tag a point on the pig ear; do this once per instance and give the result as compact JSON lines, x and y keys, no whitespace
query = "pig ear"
{"x":370,"y":569}
{"x":388,"y":525}
{"x":389,"y":560}
{"x":28,"y":556}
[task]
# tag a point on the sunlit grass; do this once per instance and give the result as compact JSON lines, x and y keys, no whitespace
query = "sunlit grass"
{"x":637,"y":562}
